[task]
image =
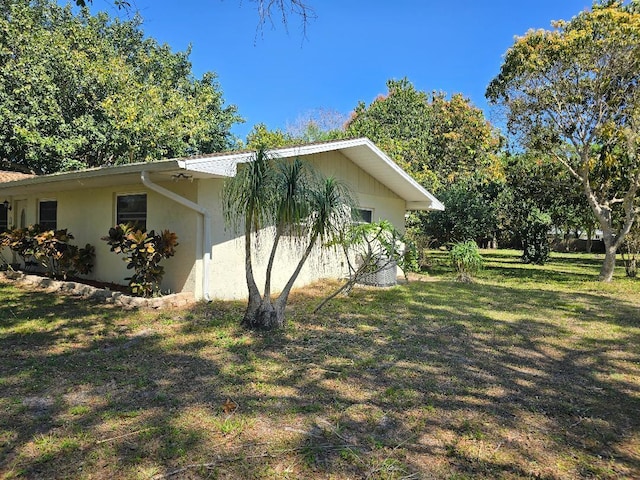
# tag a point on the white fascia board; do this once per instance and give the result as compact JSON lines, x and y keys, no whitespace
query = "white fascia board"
{"x":320,"y":147}
{"x":421,"y":206}
{"x":413,"y":187}
{"x":80,"y":175}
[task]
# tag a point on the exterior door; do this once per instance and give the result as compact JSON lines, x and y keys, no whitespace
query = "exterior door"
{"x":20,"y":215}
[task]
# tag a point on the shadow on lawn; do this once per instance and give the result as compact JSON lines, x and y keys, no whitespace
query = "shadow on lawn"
{"x":559,"y":268}
{"x":430,"y":379}
{"x":517,"y":372}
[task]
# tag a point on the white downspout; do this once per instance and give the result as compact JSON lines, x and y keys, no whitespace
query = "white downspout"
{"x":206,"y":226}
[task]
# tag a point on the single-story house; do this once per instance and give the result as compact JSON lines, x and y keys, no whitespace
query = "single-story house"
{"x":184,"y":196}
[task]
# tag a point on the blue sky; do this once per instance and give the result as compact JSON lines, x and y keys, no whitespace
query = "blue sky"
{"x":351,"y":49}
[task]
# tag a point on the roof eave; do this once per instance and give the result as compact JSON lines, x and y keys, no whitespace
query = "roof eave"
{"x":424,"y":206}
{"x":386,"y":171}
{"x":78,"y":177}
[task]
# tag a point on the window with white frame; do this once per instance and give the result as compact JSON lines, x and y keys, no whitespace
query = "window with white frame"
{"x":132,"y":209}
{"x":48,"y":214}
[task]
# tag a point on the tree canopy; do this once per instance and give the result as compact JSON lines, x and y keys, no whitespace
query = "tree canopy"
{"x":447,"y":145}
{"x":434,"y":138}
{"x":573,"y":92}
{"x":83,"y":91}
{"x":533,"y":181}
{"x":318,"y":126}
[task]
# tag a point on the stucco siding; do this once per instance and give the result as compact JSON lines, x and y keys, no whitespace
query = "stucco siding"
{"x":89,"y":213}
{"x":227,"y":264}
{"x":369,"y":193}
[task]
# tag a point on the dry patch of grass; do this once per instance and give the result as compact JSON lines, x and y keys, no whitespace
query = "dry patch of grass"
{"x":530,"y":372}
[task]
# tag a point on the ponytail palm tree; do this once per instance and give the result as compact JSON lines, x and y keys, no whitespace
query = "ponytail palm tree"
{"x":299,"y":204}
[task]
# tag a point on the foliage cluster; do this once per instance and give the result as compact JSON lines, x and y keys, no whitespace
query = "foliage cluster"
{"x":496,"y":212}
{"x":535,"y":240}
{"x":83,"y":91}
{"x":370,"y":248}
{"x":466,"y":260}
{"x":142,"y":252}
{"x":471,"y":213}
{"x":436,"y":139}
{"x":535,"y":181}
{"x":571,"y":93}
{"x":308,"y":130}
{"x":50,"y":249}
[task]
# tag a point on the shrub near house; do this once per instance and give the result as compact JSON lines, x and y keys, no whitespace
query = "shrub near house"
{"x":51,"y":249}
{"x":143,"y":252}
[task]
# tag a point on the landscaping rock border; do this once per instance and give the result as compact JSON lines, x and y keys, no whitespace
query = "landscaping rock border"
{"x":101,"y":294}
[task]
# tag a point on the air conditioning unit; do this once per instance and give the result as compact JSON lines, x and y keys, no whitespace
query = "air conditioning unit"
{"x":385,"y":276}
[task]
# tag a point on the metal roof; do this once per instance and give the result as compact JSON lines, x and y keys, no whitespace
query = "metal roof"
{"x":361,"y":151}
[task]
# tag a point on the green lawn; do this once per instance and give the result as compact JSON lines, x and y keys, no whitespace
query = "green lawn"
{"x":531,"y":372}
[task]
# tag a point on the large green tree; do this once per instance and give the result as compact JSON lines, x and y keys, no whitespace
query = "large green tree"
{"x":315,"y":126}
{"x":536,"y":181}
{"x":572,"y":92}
{"x":447,"y":145}
{"x":435,"y":138}
{"x":471,"y":213}
{"x":261,"y":137}
{"x":83,"y":91}
{"x":297,"y":205}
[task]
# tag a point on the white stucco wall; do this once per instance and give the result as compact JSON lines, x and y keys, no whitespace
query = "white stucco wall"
{"x":369,"y":192}
{"x":89,"y":213}
{"x":227,"y":265}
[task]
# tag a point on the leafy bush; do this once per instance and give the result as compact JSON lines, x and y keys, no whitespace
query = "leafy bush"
{"x":370,"y":248}
{"x":535,"y":242}
{"x":465,"y":260}
{"x":471,"y":213}
{"x":4,"y":243}
{"x":143,"y":252}
{"x":631,"y":251}
{"x":51,"y":249}
{"x":409,"y":260}
{"x":22,"y":241}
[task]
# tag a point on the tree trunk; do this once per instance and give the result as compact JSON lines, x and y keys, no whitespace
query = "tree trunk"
{"x":262,"y":313}
{"x":255,"y":299}
{"x":609,"y":264}
{"x":589,"y":246}
{"x":281,"y":301}
{"x":272,"y":256}
{"x":631,"y":267}
{"x":266,"y":317}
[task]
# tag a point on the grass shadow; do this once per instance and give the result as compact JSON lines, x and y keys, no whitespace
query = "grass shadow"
{"x":437,"y":379}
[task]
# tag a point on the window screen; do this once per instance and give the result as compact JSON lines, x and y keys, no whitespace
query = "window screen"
{"x":48,"y":215}
{"x":132,"y":209}
{"x":364,"y":215}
